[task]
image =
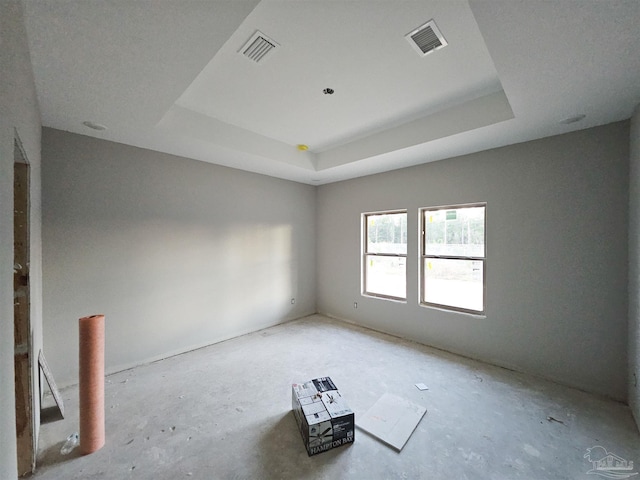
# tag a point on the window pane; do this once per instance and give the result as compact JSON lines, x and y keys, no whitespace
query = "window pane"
{"x":455,"y":283}
{"x":387,"y":233}
{"x":455,"y":231}
{"x":386,"y":276}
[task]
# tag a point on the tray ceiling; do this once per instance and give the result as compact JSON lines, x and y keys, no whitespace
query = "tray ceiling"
{"x":172,"y":76}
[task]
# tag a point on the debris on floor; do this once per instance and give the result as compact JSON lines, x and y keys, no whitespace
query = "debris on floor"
{"x":421,"y":386}
{"x":72,"y":442}
{"x":551,"y":419}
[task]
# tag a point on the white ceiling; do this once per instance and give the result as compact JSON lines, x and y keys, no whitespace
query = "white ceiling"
{"x":167,"y":75}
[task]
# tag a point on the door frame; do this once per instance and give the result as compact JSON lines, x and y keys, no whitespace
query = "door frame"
{"x":23,"y":330}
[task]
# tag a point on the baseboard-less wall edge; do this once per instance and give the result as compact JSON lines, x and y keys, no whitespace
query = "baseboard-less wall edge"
{"x":492,"y":362}
{"x":173,"y":353}
{"x":635,"y":418}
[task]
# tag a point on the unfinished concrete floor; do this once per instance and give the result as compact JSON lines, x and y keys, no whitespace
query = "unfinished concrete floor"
{"x":224,"y":412}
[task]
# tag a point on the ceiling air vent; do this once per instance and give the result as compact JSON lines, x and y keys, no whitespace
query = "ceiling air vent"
{"x":258,"y":47}
{"x":427,"y":38}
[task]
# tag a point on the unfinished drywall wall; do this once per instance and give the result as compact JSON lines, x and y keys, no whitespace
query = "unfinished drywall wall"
{"x":634,"y":266}
{"x":19,"y":116}
{"x":556,"y":255}
{"x":176,"y":253}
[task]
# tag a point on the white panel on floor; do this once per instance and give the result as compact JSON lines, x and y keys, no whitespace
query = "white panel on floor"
{"x":392,"y":419}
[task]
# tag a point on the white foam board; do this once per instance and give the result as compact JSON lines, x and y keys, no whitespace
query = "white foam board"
{"x":392,"y":419}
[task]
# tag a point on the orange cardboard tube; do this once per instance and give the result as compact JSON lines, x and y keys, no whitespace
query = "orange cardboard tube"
{"x":91,"y":383}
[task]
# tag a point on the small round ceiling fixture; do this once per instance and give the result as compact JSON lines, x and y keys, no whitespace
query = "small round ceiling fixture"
{"x":302,"y":147}
{"x":328,"y":91}
{"x":573,"y":119}
{"x":94,"y":126}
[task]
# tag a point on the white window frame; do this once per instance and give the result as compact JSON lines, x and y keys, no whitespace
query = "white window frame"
{"x":366,"y":254}
{"x":424,"y":257}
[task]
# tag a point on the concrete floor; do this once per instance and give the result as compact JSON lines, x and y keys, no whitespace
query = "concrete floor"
{"x":224,"y":412}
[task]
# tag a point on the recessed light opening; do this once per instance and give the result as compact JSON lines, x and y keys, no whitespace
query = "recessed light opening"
{"x":94,"y":126}
{"x":573,"y":119}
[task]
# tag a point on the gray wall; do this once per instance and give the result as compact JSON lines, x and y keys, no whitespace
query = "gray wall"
{"x":19,"y":113}
{"x":634,"y":267}
{"x":556,"y":255}
{"x":176,"y":253}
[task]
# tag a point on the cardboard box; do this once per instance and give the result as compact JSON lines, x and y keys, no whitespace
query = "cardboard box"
{"x":324,"y":419}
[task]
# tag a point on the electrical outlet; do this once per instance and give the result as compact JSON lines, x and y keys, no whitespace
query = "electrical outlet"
{"x":355,"y":304}
{"x":293,"y":301}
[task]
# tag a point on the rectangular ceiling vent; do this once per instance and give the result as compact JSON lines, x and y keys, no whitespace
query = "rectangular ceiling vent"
{"x":427,"y":38}
{"x":258,"y":48}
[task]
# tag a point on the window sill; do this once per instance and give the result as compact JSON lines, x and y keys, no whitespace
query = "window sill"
{"x":477,"y":315}
{"x":382,"y":297}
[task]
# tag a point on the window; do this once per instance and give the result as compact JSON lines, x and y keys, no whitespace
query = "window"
{"x":453,"y":257}
{"x":384,"y":260}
